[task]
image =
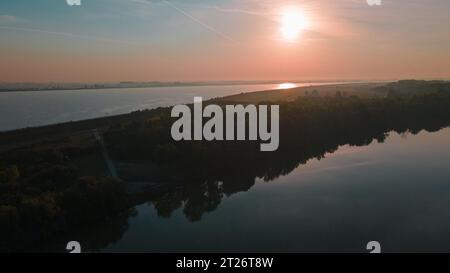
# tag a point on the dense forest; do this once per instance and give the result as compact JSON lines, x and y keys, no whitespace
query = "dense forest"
{"x":45,"y":192}
{"x":310,"y":127}
{"x":305,"y":122}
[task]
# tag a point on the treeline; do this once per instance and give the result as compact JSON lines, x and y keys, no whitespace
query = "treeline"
{"x":413,"y":87}
{"x":310,"y":127}
{"x":42,"y":191}
{"x":304,"y":122}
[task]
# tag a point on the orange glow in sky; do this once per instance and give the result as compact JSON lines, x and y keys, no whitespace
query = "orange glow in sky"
{"x":203,"y":40}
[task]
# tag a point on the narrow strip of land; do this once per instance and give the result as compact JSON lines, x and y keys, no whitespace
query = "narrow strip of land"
{"x":108,"y":161}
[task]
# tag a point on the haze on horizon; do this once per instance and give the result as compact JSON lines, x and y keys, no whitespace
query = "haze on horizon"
{"x":212,"y":40}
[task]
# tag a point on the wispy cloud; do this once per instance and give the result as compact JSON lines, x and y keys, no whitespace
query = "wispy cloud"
{"x":243,"y":11}
{"x":69,"y":35}
{"x":191,"y":17}
{"x":198,"y":21}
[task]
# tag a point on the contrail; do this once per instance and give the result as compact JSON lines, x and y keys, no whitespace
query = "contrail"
{"x":243,"y":11}
{"x":221,"y":34}
{"x":70,"y":35}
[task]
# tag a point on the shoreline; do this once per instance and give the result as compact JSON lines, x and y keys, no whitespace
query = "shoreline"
{"x":113,"y":86}
{"x":310,"y":84}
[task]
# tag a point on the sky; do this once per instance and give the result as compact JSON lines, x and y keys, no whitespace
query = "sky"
{"x":213,"y":40}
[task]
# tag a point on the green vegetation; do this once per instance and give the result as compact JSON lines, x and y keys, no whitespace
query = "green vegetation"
{"x":303,"y":122}
{"x":310,"y":127}
{"x":52,"y":178}
{"x":42,"y":194}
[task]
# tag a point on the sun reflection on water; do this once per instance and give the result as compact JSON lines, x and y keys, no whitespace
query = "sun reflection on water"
{"x":286,"y":85}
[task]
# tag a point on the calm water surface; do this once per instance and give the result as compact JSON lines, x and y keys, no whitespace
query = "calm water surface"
{"x":28,"y":109}
{"x":397,"y":193}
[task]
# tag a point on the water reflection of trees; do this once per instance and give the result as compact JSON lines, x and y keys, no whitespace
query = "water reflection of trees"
{"x":205,"y":196}
{"x":223,"y":169}
{"x":43,"y":194}
{"x":207,"y":172}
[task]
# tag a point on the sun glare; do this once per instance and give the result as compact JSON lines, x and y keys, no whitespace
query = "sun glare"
{"x":286,"y":85}
{"x":293,"y":22}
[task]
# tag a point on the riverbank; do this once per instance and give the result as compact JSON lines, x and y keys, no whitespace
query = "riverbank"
{"x":57,"y":175}
{"x":24,"y":87}
{"x":35,"y":109}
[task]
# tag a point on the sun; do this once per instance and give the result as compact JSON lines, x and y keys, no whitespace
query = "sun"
{"x":293,"y":22}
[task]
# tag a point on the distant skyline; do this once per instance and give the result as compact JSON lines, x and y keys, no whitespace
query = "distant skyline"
{"x":213,"y":40}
